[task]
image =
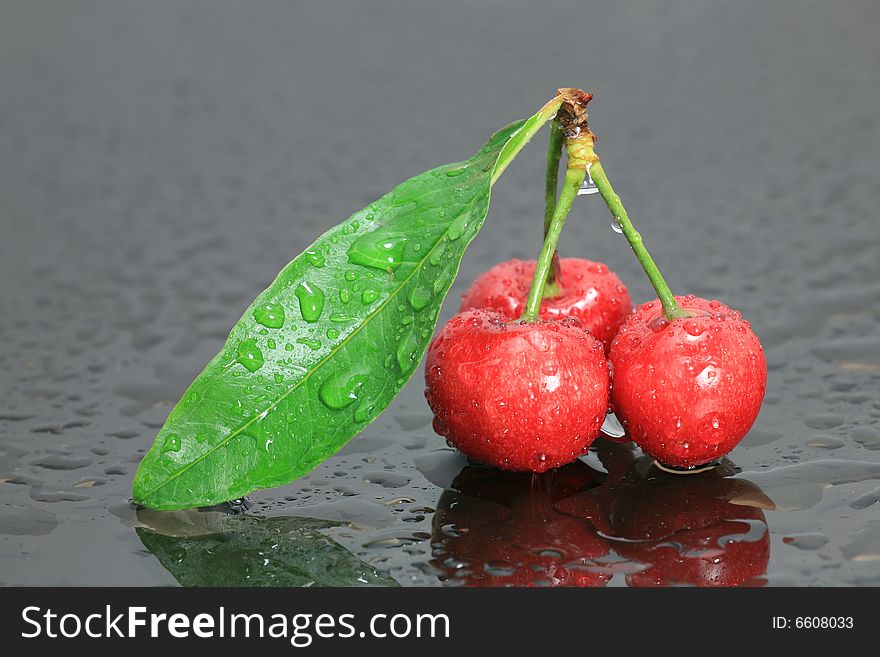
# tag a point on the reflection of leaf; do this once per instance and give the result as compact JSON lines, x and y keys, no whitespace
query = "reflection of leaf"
{"x":249,"y":551}
{"x":324,"y":349}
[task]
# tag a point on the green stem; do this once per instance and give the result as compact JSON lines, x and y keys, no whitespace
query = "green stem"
{"x":554,"y":154}
{"x":671,"y":309}
{"x":574,"y":176}
{"x":516,"y":144}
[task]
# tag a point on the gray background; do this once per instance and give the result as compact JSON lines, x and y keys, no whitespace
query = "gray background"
{"x":161,"y":161}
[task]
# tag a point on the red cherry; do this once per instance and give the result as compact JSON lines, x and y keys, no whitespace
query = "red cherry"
{"x":591,"y":292}
{"x":687,"y":390}
{"x":497,"y":528}
{"x":516,"y":395}
{"x":699,"y":530}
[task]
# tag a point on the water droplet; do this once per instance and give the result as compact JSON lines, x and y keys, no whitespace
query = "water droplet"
{"x":315,"y":257}
{"x":458,"y":226}
{"x":441,"y":281}
{"x":350,"y":276}
{"x":314,"y":345}
{"x":332,"y":333}
{"x":379,"y":249}
{"x":588,"y":186}
{"x":419,"y":297}
{"x":658,"y":324}
{"x":311,"y":301}
{"x":249,"y":355}
{"x":341,"y":389}
{"x":615,"y":225}
{"x":271,"y":343}
{"x":278,"y":377}
{"x":693,"y":327}
{"x":407,"y":350}
{"x":339,"y":318}
{"x":456,"y":172}
{"x":344,"y":296}
{"x":369,"y":295}
{"x":270,"y":315}
{"x":437,"y":255}
{"x":171,"y":443}
{"x":549,"y":368}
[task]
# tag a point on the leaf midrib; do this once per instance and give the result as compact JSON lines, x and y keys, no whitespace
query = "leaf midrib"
{"x":317,"y":366}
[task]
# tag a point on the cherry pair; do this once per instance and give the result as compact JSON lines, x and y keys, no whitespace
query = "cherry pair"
{"x":533,"y":395}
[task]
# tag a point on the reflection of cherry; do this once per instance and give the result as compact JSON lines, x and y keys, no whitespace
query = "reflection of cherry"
{"x":701,"y":530}
{"x":495,"y":528}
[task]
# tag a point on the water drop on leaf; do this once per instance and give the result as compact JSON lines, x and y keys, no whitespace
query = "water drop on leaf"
{"x":441,"y":281}
{"x":457,"y":227}
{"x":420,"y":297}
{"x":341,"y":389}
{"x":270,"y":315}
{"x":407,"y":350}
{"x":249,"y":355}
{"x":379,"y":249}
{"x":171,"y":443}
{"x":311,"y":301}
{"x":437,"y":256}
{"x":315,"y":257}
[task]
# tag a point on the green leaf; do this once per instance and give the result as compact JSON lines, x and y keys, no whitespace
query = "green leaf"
{"x":323,"y":350}
{"x":244,"y":550}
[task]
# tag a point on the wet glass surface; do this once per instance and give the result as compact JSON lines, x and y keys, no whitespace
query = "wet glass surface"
{"x":158,"y":166}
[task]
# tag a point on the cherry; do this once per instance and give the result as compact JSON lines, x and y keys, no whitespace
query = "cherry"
{"x":701,"y":530}
{"x":517,"y":395}
{"x":495,"y":528}
{"x":688,"y":389}
{"x":590,"y":291}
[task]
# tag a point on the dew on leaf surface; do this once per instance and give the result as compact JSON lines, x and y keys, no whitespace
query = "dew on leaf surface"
{"x":380,"y":249}
{"x":270,"y":315}
{"x":249,"y":355}
{"x":311,"y":301}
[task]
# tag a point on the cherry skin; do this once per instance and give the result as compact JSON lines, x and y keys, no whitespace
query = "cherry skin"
{"x":687,"y":390}
{"x":591,"y":292}
{"x":515,"y":395}
{"x":495,"y":528}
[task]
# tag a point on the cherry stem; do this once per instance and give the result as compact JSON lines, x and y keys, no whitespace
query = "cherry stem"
{"x":671,"y":309}
{"x":575,"y":174}
{"x":553,"y":286}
